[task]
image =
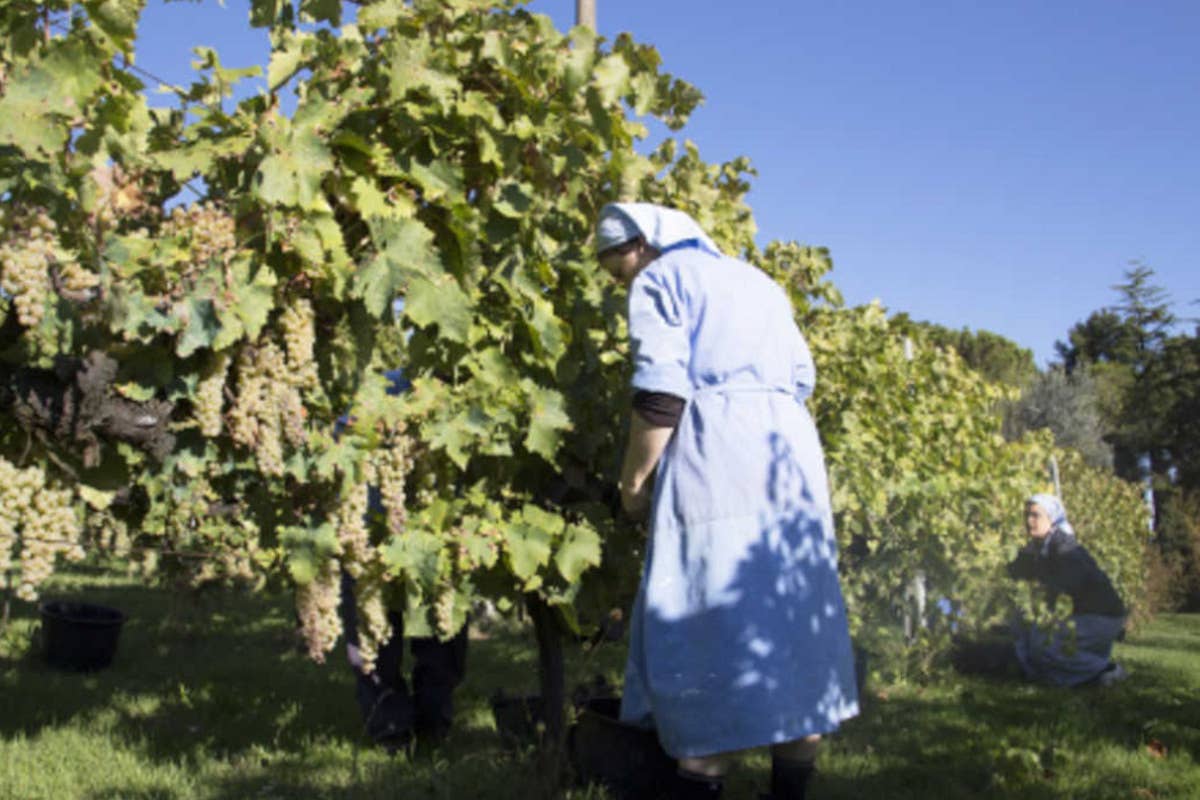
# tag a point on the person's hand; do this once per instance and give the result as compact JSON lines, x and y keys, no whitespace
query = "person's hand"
{"x":635,"y":502}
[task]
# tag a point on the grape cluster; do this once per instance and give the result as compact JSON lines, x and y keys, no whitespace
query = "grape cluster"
{"x":28,"y":254}
{"x":74,"y":278}
{"x":189,"y":525}
{"x":373,"y":625}
{"x":208,"y":231}
{"x":269,"y":451}
{"x":237,"y":564}
{"x":443,"y":612}
{"x":352,"y":532}
{"x":39,"y":521}
{"x":392,"y":463}
{"x":292,"y":414}
{"x":210,"y":396}
{"x":252,"y":398}
{"x":25,"y":257}
{"x":17,"y":487}
{"x":317,"y":606}
{"x":255,"y":420}
{"x":299,"y":334}
{"x":269,"y":409}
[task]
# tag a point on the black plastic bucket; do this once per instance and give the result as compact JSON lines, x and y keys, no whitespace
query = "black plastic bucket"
{"x":520,"y":720}
{"x":80,"y":636}
{"x":625,"y":759}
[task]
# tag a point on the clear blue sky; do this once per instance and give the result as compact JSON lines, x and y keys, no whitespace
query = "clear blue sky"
{"x":990,"y":165}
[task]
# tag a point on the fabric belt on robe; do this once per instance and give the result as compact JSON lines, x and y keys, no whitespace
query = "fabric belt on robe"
{"x":743,"y":388}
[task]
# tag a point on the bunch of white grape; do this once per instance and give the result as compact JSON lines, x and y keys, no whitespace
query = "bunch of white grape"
{"x":17,"y":487}
{"x":443,"y":612}
{"x":210,"y":395}
{"x":299,"y":335}
{"x":209,"y":232}
{"x":31,"y":258}
{"x":373,"y":626}
{"x":353,"y":536}
{"x":292,"y":414}
{"x":255,"y":419}
{"x":317,"y":607}
{"x":392,"y":463}
{"x":38,"y":522}
{"x":25,"y":257}
{"x":271,"y":380}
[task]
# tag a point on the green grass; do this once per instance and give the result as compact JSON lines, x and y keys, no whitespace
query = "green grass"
{"x":210,"y":697}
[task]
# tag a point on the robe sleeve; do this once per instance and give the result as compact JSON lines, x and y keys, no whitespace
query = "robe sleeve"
{"x":659,"y":335}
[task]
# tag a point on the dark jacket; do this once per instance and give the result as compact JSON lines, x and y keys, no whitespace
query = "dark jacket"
{"x":1064,"y":566}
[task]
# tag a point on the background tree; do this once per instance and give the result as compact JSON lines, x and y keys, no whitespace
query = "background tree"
{"x":1069,"y":405}
{"x":1126,"y":346}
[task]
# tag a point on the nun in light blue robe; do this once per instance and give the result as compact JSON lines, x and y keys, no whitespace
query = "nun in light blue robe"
{"x":738,"y":634}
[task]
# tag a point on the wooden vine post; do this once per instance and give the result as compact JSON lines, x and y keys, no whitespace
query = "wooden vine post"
{"x":585,"y":13}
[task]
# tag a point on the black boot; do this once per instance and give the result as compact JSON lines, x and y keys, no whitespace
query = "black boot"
{"x":690,"y":786}
{"x":789,"y":779}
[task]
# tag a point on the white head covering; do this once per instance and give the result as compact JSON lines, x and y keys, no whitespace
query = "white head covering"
{"x":662,"y":227}
{"x":1055,"y":510}
{"x":613,"y":229}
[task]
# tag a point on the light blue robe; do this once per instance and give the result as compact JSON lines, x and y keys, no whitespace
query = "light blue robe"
{"x":738,"y":635}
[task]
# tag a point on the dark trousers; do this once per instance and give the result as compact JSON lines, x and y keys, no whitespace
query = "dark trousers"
{"x":391,"y":712}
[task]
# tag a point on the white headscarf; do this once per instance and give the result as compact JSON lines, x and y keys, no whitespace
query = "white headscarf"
{"x":661,"y":227}
{"x":1055,"y":510}
{"x":1062,"y":535}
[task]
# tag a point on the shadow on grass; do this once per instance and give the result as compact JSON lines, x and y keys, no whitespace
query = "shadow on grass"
{"x":220,"y":677}
{"x":193,"y":674}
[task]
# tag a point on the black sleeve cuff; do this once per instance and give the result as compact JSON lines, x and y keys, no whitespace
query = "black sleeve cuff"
{"x":658,"y":408}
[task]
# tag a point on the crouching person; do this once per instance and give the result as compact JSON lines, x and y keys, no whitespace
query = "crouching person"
{"x":1055,"y":559}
